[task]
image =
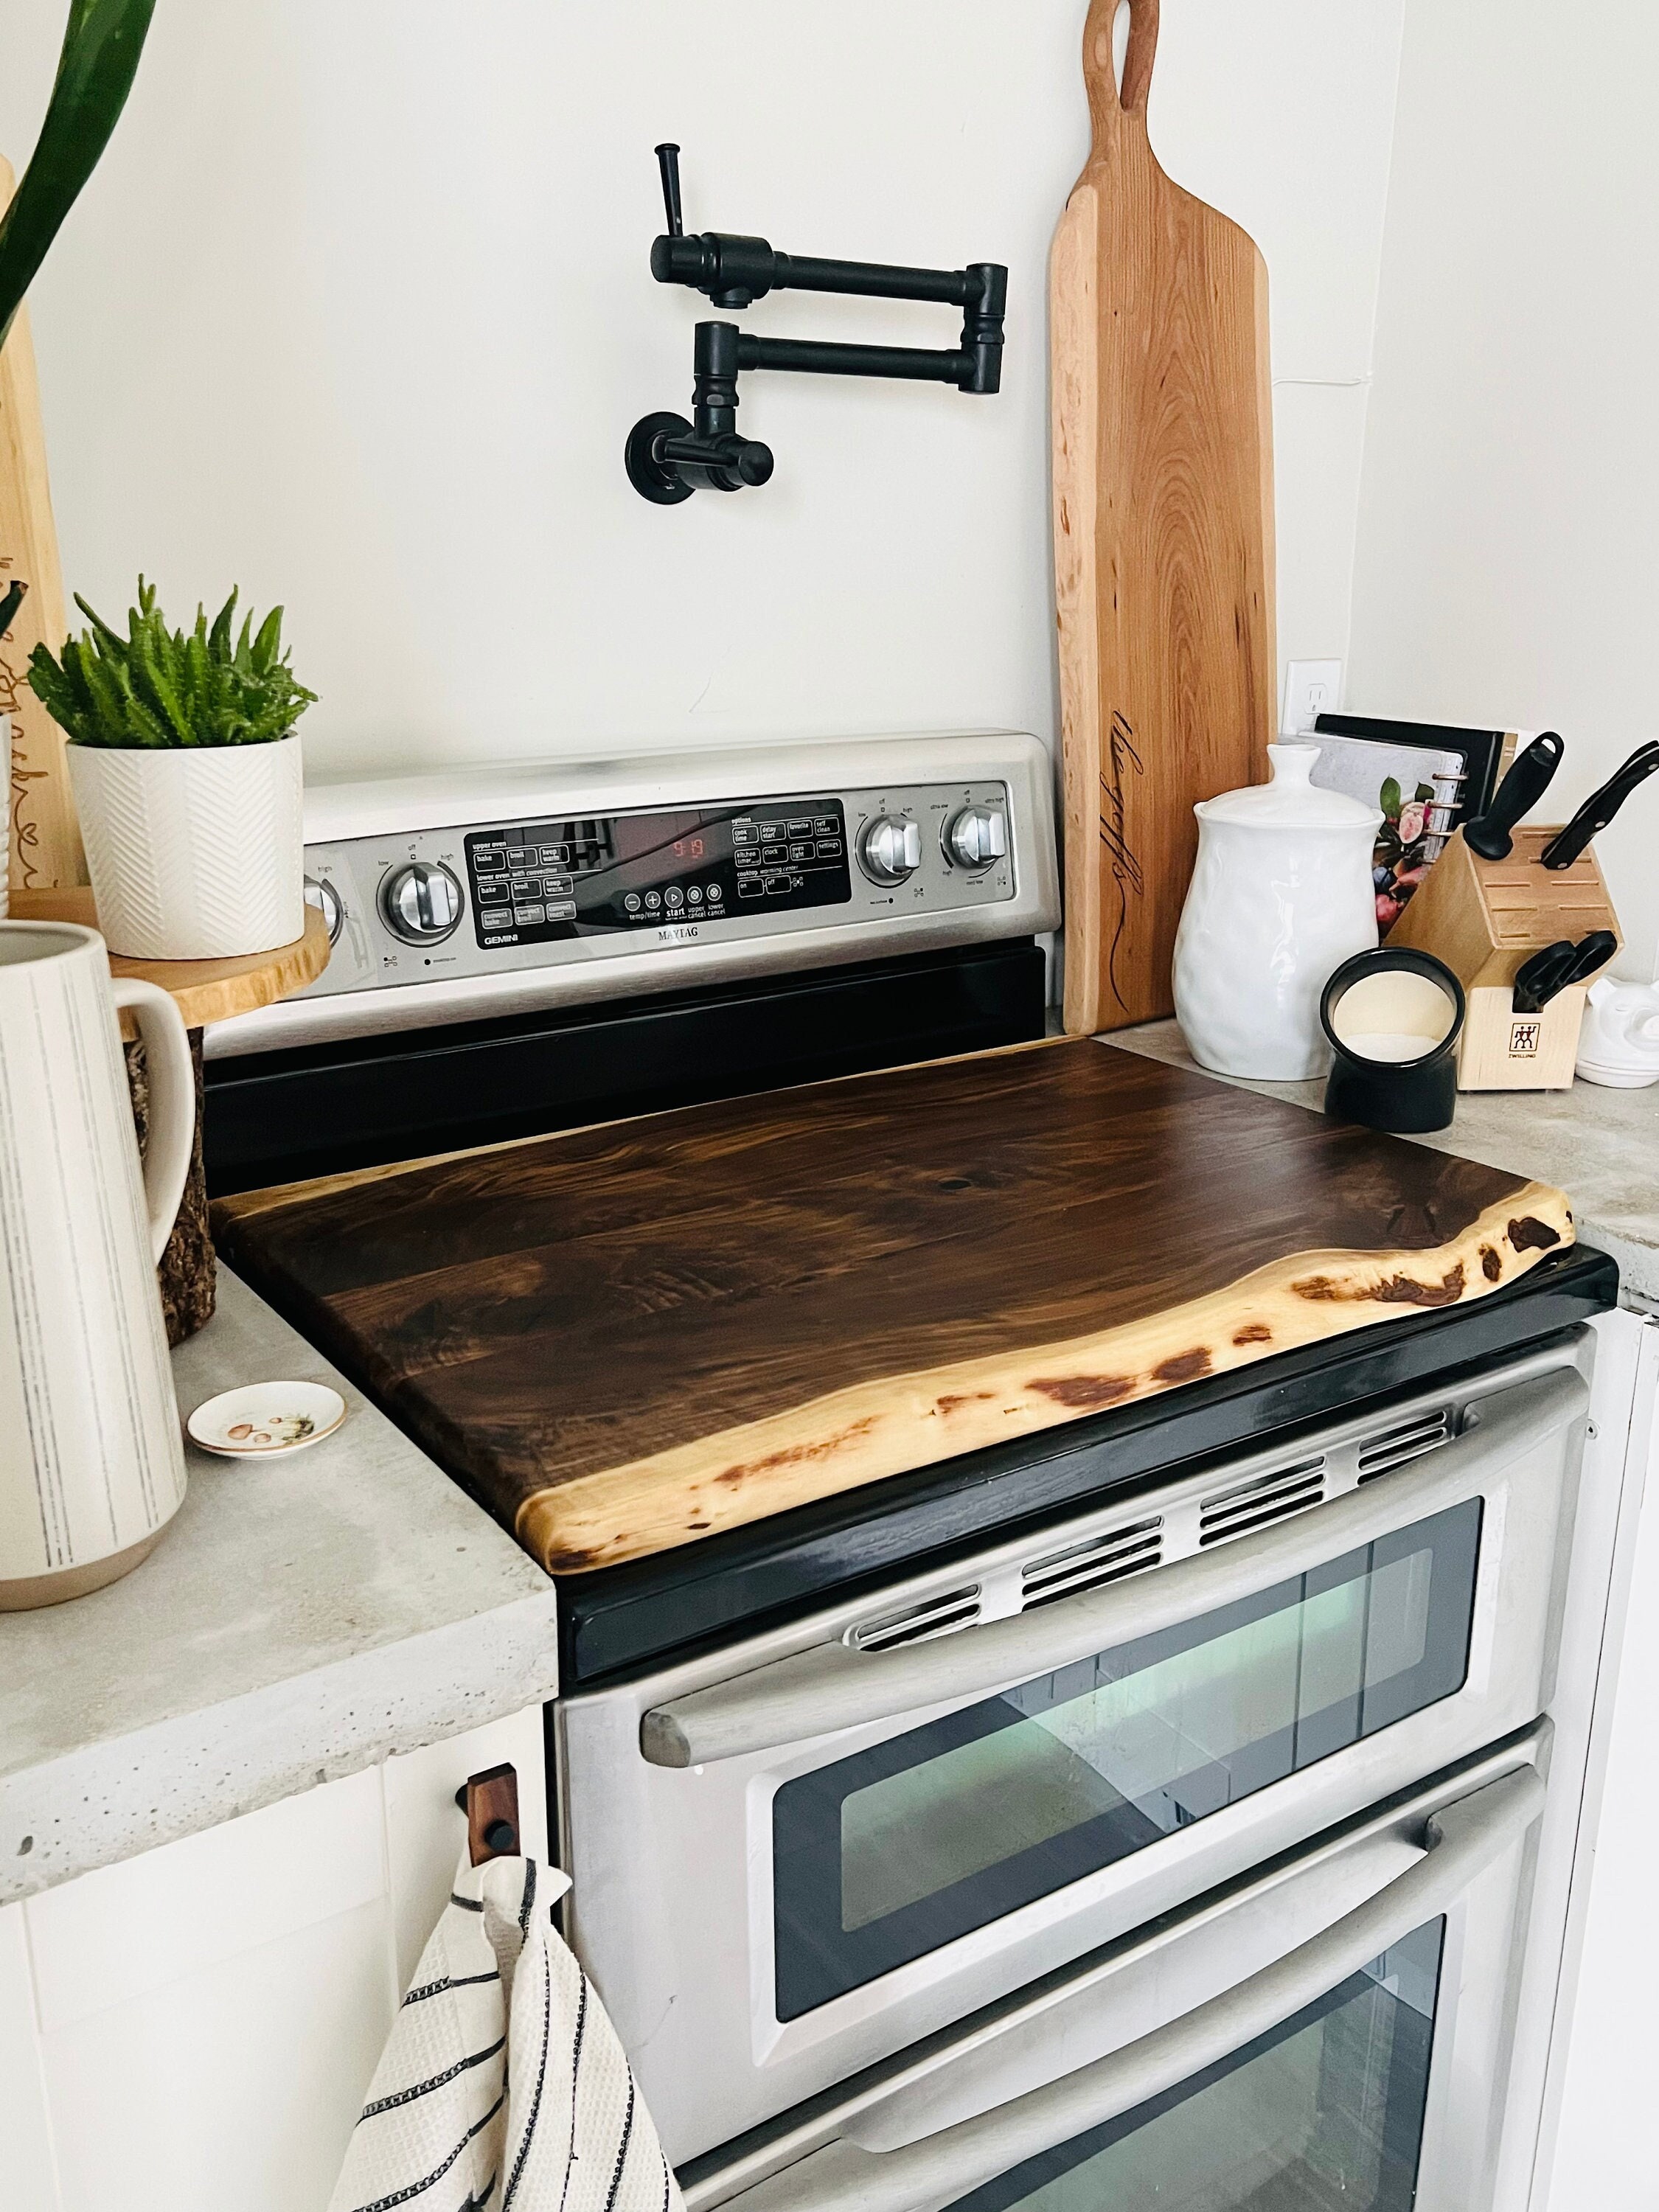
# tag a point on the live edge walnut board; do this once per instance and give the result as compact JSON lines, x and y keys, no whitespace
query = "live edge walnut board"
{"x":624,"y":1338}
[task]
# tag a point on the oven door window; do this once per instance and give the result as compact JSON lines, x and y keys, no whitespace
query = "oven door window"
{"x":884,"y":1856}
{"x":1323,"y":2114}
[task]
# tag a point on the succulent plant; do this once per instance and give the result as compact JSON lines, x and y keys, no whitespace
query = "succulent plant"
{"x":157,"y":687}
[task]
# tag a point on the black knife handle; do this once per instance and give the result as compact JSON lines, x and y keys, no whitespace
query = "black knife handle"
{"x":1594,"y":816}
{"x":1535,"y":981}
{"x":1528,"y":779}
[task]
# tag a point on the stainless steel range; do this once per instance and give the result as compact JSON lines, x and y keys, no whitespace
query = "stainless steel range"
{"x":489,"y":891}
{"x":518,"y":949}
{"x":1169,"y":1808}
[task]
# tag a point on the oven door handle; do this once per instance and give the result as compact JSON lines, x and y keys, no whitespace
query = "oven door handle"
{"x":1460,"y":1841}
{"x":832,"y":1686}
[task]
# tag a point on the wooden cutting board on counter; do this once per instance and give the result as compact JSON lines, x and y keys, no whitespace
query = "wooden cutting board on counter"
{"x":1164,"y":536}
{"x":624,"y":1338}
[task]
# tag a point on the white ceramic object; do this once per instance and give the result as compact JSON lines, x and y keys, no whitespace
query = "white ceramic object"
{"x":1619,"y":1038}
{"x":195,"y":852}
{"x":91,"y":1464}
{"x":1280,"y":897}
{"x":264,"y":1420}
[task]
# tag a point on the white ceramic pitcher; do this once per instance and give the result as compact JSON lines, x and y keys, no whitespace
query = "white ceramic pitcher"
{"x":92,"y":1465}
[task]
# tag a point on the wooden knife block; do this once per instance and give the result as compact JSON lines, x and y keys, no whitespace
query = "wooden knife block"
{"x":1484,"y":918}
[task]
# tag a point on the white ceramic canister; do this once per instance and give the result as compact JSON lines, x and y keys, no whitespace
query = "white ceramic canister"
{"x":1281,"y":896}
{"x":92,"y":1464}
{"x":195,"y":852}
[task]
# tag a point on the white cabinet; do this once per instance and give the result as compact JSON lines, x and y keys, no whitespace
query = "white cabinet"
{"x":194,"y":2030}
{"x":1602,"y":2156}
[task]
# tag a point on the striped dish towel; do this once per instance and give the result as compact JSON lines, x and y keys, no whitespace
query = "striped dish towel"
{"x":503,"y":2087}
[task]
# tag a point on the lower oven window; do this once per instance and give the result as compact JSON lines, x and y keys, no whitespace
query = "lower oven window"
{"x":882,"y":1857}
{"x":1323,"y":2114}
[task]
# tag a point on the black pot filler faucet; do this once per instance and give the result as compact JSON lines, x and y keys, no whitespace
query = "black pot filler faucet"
{"x":668,"y":459}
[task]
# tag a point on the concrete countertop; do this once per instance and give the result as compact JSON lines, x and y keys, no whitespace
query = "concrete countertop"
{"x":1600,"y":1146}
{"x":301,"y":1619}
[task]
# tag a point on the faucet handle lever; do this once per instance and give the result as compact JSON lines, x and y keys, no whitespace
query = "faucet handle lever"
{"x":668,"y":161}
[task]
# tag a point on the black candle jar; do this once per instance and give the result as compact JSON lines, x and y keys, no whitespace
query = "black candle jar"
{"x":1393,"y":1019}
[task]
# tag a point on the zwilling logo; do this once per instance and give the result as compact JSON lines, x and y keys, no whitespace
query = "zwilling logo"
{"x":677,"y":933}
{"x":1523,"y":1040}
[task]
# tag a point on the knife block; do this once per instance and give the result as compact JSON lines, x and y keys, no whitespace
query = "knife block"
{"x":1484,"y":918}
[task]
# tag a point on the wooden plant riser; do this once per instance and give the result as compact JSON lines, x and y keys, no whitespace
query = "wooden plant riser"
{"x":45,"y":840}
{"x":1484,"y":918}
{"x":623,"y":1339}
{"x":1163,"y":537}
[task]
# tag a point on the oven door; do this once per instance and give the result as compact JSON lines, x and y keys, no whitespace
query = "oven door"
{"x":1333,"y":2037}
{"x":794,"y":1857}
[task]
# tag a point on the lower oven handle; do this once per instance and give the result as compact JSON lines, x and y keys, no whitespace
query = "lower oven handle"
{"x":1460,"y":1841}
{"x":831,"y":1686}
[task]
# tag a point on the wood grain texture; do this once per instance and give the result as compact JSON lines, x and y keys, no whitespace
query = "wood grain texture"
{"x":623,"y":1339}
{"x":45,"y":839}
{"x":1485,"y":918}
{"x":1163,"y":531}
{"x":204,"y":991}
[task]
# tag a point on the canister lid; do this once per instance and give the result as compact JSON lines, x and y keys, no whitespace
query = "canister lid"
{"x":1290,"y":801}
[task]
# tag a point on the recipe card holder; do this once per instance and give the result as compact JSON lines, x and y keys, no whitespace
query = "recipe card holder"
{"x":1484,"y":918}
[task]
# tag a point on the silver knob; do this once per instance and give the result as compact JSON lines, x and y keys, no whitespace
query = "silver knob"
{"x":976,"y":836}
{"x":326,"y":900}
{"x":889,"y":849}
{"x":422,"y":902}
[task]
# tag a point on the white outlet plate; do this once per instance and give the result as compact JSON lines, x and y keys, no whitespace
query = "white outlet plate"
{"x":1311,"y":688}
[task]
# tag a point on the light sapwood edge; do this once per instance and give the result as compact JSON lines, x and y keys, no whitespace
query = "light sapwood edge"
{"x":45,"y":839}
{"x":1074,"y":434}
{"x":277,"y":1195}
{"x":892,"y":1425}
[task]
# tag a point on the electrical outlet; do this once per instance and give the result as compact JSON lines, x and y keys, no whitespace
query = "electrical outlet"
{"x":1311,"y":688}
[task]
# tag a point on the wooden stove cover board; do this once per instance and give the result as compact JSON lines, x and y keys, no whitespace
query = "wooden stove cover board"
{"x":621,"y":1339}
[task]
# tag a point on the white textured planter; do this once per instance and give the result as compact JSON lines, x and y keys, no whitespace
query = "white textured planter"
{"x":197,"y":853}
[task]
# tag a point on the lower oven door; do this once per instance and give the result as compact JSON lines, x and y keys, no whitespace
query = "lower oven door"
{"x":796,"y":1857}
{"x":1331,"y":2037}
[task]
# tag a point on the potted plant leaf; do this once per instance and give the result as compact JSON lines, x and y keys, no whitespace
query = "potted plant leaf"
{"x":185,"y":767}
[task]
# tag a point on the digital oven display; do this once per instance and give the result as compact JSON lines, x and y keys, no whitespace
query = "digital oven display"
{"x":536,"y":883}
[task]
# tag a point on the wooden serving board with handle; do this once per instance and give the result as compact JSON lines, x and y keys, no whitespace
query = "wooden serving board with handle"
{"x":1162,"y":496}
{"x":623,"y":1339}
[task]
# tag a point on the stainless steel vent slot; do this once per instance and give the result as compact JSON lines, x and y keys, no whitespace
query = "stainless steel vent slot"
{"x":933,"y":1616}
{"x":1108,"y":1557}
{"x":1394,"y":1447}
{"x":1252,"y":1504}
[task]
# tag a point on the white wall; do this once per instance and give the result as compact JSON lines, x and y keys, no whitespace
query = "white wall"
{"x":356,"y":312}
{"x":1507,"y":567}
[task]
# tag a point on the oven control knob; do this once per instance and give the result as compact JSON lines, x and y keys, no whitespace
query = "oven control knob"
{"x":422,"y":902}
{"x":326,"y":900}
{"x":889,"y":850}
{"x":976,"y":836}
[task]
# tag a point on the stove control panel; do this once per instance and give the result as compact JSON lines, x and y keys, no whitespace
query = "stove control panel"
{"x":457,"y":897}
{"x":540,"y":883}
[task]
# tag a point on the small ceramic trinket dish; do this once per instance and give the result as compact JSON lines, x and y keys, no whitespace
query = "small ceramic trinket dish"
{"x":261,"y":1420}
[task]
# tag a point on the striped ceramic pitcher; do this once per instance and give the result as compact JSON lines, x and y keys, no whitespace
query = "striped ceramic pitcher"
{"x":91,"y":1462}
